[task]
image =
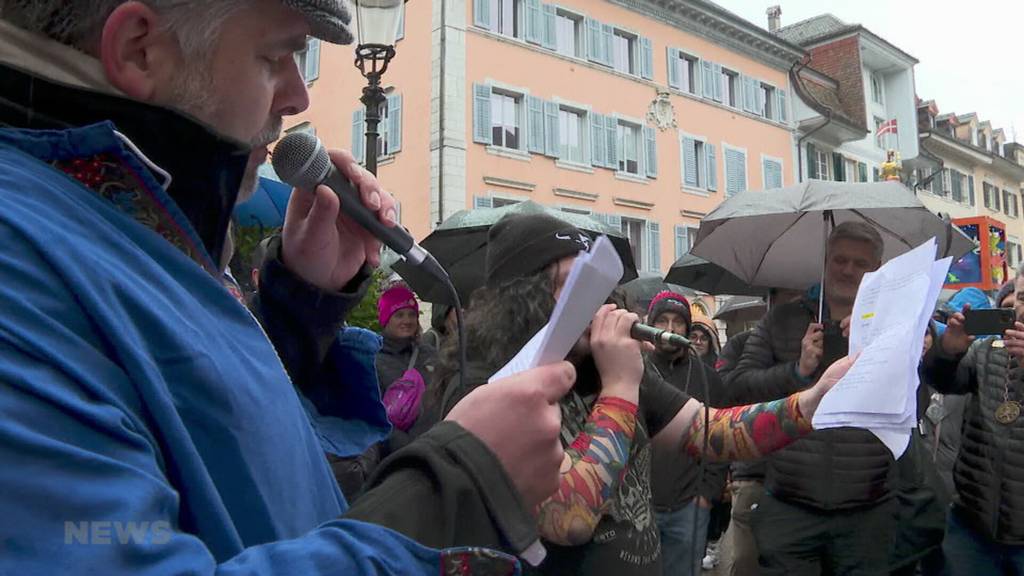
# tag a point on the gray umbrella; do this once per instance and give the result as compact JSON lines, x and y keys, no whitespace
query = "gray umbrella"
{"x":699,"y":274}
{"x":643,"y":289}
{"x":739,"y":304}
{"x":776,"y":238}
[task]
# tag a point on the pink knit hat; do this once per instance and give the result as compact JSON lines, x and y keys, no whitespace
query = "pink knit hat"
{"x":394,"y":299}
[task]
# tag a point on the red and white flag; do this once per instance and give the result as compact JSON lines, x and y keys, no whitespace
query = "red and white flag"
{"x":888,"y":127}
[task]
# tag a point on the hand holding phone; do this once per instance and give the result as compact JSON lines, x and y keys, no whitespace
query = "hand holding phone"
{"x":993,"y":321}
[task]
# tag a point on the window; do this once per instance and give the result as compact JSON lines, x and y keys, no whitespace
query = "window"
{"x":735,"y":171}
{"x":991,"y":194}
{"x":507,"y":17}
{"x":772,"y":174}
{"x":308,"y":60}
{"x":689,"y":68}
{"x":821,"y":161}
{"x":635,"y":231}
{"x":568,"y":34}
{"x":1013,"y":253}
{"x":505,"y":122}
{"x":570,"y":135}
{"x":624,"y":52}
{"x":628,"y":139}
{"x":956,"y":186}
{"x":382,"y":137}
{"x":877,"y":95}
{"x":730,"y":87}
{"x":850,"y":170}
{"x":699,"y":164}
{"x":1010,"y":204}
{"x":982,"y":141}
{"x":767,"y":103}
{"x":685,"y":237}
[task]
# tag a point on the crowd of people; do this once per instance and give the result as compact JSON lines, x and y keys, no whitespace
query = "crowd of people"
{"x":155,"y":422}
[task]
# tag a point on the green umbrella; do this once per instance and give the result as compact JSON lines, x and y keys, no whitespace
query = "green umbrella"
{"x":460,"y":245}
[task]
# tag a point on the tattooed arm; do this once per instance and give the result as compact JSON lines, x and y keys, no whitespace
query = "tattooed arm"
{"x":749,"y":432}
{"x":594,"y":465}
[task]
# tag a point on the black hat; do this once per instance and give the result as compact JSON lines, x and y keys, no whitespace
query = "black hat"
{"x":522,"y":244}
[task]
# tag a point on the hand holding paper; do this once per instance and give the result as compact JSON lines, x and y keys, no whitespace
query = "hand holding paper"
{"x":890,"y":316}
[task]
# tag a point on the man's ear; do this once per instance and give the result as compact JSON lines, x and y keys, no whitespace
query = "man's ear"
{"x":138,"y":55}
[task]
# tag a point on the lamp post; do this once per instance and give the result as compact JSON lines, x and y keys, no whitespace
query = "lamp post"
{"x":377,"y":28}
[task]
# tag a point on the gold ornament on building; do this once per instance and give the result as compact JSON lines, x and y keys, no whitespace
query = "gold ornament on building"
{"x":891,"y":167}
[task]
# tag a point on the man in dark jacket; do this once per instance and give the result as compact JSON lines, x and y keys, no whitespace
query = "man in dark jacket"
{"x":985,"y":528}
{"x":827,"y":496}
{"x":683,"y":496}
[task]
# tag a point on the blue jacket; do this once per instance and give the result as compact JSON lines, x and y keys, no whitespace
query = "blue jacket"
{"x":147,"y":424}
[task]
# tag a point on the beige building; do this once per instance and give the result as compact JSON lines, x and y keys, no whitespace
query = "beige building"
{"x":643,"y":113}
{"x":981,"y":174}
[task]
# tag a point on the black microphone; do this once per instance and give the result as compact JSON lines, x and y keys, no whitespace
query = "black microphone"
{"x":645,"y":333}
{"x":301,"y":161}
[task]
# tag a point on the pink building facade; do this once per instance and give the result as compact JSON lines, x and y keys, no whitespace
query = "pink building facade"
{"x":644,"y":114}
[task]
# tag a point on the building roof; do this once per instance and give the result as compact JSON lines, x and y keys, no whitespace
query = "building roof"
{"x":821,"y":93}
{"x":818,"y":29}
{"x":821,"y":26}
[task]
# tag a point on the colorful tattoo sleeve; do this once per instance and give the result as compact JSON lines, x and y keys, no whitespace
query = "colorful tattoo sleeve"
{"x":593,"y":467}
{"x":747,"y":432}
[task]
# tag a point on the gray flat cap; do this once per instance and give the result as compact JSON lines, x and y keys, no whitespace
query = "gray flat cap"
{"x":328,"y":19}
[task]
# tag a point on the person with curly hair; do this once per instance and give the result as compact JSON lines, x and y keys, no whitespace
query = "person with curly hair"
{"x":600,"y":520}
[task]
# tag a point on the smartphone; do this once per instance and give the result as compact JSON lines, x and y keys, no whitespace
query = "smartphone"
{"x":835,"y":346}
{"x":990,"y":321}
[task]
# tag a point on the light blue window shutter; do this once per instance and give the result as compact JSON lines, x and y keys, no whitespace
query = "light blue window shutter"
{"x":534,"y":22}
{"x":690,"y":162}
{"x":551,"y":139}
{"x":550,"y":13}
{"x":782,"y":113}
{"x":595,"y":42}
{"x":482,"y":113}
{"x":749,"y":97}
{"x":394,"y":123}
{"x":759,"y":104}
{"x":651,"y":151}
{"x":359,"y":134}
{"x":647,"y":58}
{"x":401,"y":25}
{"x":535,"y":124}
{"x":680,"y":241}
{"x":611,"y":124}
{"x":716,"y":80}
{"x":312,"y":70}
{"x":711,"y":166}
{"x":608,"y":35}
{"x":970,"y":189}
{"x":614,"y":220}
{"x":482,"y":14}
{"x":483,"y":202}
{"x":673,"y":68}
{"x":598,"y":142}
{"x":707,"y":78}
{"x":654,"y":246}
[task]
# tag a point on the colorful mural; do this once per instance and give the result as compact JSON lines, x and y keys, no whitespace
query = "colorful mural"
{"x":986,"y":266}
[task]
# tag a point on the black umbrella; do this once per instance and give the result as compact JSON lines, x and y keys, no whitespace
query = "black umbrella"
{"x":736,"y":305}
{"x":460,"y":245}
{"x":699,"y":274}
{"x":642,"y":290}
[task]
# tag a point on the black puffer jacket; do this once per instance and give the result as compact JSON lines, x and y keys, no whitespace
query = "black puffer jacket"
{"x":727,"y":362}
{"x":989,"y":472}
{"x":836,"y":469}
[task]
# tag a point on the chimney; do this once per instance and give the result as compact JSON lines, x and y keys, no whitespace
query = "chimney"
{"x":774,"y":18}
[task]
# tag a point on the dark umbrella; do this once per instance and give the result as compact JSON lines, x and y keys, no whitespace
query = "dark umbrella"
{"x":460,"y":245}
{"x":699,"y":274}
{"x":643,"y":289}
{"x":736,"y":305}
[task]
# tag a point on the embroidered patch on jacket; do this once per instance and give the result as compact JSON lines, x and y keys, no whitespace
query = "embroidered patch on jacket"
{"x":109,"y":177}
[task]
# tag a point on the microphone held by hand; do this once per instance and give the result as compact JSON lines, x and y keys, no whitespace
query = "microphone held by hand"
{"x":301,"y":160}
{"x":656,"y":336}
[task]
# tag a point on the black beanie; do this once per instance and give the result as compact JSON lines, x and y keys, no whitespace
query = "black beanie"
{"x":519,"y":245}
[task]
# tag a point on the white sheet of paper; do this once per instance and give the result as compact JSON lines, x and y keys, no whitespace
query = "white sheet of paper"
{"x":592,"y":278}
{"x":890,"y":316}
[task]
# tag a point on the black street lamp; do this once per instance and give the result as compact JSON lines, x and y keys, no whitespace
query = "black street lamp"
{"x":377,"y":27}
